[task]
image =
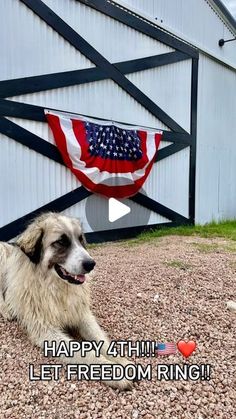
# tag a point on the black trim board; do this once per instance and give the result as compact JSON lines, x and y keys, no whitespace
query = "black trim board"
{"x":70,"y":35}
{"x":30,"y":140}
{"x":140,"y":24}
{"x":128,"y":232}
{"x":160,"y":209}
{"x":193,"y":123}
{"x":226,"y":13}
{"x":16,"y":227}
{"x":44,"y":82}
{"x":11,"y":108}
{"x":169,"y":150}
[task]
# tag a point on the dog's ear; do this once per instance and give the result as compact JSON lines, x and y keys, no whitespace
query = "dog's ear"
{"x":83,"y":240}
{"x":30,"y":242}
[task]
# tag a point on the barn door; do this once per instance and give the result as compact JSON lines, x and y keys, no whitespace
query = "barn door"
{"x":97,"y":59}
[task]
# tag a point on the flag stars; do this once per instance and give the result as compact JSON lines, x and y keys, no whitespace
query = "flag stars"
{"x":112,"y":143}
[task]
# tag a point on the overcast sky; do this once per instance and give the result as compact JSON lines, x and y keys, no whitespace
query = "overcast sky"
{"x":231,"y":6}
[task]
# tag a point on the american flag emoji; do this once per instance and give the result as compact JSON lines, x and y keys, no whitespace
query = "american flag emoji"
{"x":166,"y":348}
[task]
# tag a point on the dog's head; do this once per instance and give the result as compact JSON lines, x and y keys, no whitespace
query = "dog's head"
{"x":56,"y":244}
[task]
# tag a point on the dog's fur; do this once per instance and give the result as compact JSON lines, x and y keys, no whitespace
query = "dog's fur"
{"x":46,"y":305}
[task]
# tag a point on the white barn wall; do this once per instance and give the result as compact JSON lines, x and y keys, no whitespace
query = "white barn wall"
{"x":44,"y":50}
{"x":193,"y":20}
{"x":216,"y":142}
{"x":216,"y":121}
{"x":33,"y":180}
{"x":36,"y":180}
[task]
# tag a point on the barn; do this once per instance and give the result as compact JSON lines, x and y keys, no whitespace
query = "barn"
{"x":156,"y":64}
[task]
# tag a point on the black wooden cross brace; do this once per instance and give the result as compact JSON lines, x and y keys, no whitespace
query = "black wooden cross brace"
{"x":178,"y":136}
{"x":111,"y":71}
{"x":35,"y":84}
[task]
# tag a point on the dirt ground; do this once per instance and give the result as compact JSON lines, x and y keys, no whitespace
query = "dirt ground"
{"x":192,"y":279}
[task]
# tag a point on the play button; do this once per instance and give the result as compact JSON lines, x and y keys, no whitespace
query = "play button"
{"x":114,"y":213}
{"x":116,"y":210}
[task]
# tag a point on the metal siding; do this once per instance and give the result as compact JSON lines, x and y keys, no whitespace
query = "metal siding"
{"x":104,"y":99}
{"x":116,"y":41}
{"x":38,"y":128}
{"x":38,"y":180}
{"x":80,"y":210}
{"x":194,"y":20}
{"x":216,"y":143}
{"x":28,"y":180}
{"x":168,"y":182}
{"x":30,"y":47}
{"x":168,"y":86}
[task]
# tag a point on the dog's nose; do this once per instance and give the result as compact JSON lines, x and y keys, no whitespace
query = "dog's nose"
{"x":88,"y":265}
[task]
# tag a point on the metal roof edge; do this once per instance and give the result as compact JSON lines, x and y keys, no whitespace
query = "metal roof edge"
{"x":204,"y":50}
{"x":225,"y":12}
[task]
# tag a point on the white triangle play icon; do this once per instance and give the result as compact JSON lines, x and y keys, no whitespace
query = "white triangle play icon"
{"x":117,"y":210}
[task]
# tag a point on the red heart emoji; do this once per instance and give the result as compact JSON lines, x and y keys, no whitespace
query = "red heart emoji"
{"x":186,"y":348}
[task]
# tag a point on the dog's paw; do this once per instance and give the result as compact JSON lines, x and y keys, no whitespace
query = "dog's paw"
{"x":7,"y":315}
{"x":122,"y":385}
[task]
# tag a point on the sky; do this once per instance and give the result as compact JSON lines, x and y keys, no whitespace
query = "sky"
{"x":231,"y":6}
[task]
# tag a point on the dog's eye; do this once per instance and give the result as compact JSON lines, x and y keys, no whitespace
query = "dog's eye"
{"x":81,"y":240}
{"x":63,"y":241}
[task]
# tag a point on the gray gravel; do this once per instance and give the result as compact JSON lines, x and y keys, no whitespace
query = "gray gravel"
{"x":170,"y":289}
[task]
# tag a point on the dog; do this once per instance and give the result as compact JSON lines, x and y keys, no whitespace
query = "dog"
{"x":44,"y":286}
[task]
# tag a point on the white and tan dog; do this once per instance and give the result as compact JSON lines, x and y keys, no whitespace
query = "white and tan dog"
{"x":43,"y":285}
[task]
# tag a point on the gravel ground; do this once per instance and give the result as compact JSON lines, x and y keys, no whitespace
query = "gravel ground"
{"x":192,"y":279}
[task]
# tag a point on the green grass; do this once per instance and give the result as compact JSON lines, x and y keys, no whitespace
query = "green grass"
{"x":206,"y":248}
{"x":179,"y":264}
{"x":214,"y":247}
{"x":225,"y":229}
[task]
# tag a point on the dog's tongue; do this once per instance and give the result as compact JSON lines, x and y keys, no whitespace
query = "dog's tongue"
{"x":80,"y":278}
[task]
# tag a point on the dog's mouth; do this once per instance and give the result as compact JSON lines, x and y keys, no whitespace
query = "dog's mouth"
{"x":72,"y":279}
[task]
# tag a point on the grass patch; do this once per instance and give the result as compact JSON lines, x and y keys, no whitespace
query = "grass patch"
{"x":178,"y":264}
{"x":206,"y":248}
{"x":230,"y":248}
{"x":225,"y":229}
{"x":215,"y":247}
